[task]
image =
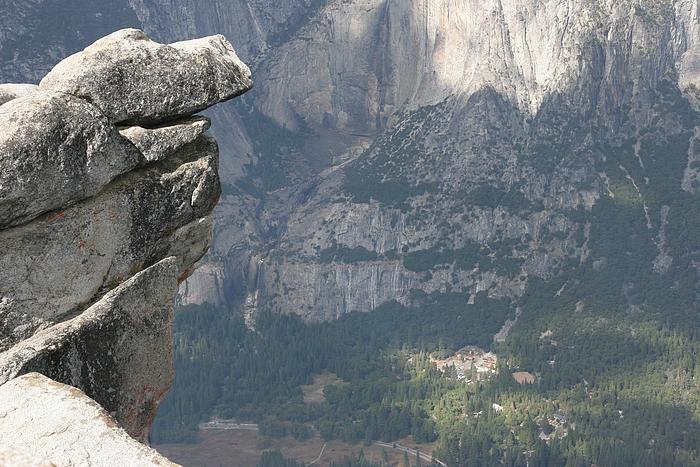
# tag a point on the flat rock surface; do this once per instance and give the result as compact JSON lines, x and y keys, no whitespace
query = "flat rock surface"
{"x":133,"y":79}
{"x":10,"y":92}
{"x":55,"y":150}
{"x":158,"y":143}
{"x":43,"y":423}
{"x":13,"y":457}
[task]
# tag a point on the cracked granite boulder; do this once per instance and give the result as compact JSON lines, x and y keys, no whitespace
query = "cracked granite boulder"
{"x":100,"y":242}
{"x":100,"y":221}
{"x":158,"y":142}
{"x":55,"y":149}
{"x":98,"y":350}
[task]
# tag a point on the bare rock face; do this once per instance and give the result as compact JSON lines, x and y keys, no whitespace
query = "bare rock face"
{"x":10,"y":92}
{"x":133,"y":79}
{"x":33,"y":406}
{"x":102,"y":241}
{"x":466,"y":103}
{"x":99,"y":224}
{"x":55,"y":149}
{"x":157,"y":143}
{"x":96,"y":350}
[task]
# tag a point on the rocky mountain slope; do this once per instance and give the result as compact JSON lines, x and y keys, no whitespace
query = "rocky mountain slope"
{"x":383,"y":132}
{"x":106,"y":196}
{"x":398,"y":148}
{"x":431,"y":147}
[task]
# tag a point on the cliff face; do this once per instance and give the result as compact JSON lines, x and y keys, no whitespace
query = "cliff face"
{"x":399,"y":129}
{"x":106,"y":198}
{"x":468,"y":147}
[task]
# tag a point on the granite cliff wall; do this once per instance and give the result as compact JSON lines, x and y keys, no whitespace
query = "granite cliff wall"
{"x":520,"y":99}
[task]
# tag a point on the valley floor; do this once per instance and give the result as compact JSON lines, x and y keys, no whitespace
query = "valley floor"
{"x":243,"y":448}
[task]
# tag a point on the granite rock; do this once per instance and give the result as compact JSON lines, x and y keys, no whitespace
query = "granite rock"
{"x":159,"y":142}
{"x":10,"y":92}
{"x":135,"y":80}
{"x":55,"y":150}
{"x":46,"y":423}
{"x":56,"y":265}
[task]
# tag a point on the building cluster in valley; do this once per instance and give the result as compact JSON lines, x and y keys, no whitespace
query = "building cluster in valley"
{"x":469,"y":364}
{"x":557,"y":427}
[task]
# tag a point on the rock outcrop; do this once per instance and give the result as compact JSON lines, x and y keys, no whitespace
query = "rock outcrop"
{"x":55,"y":149}
{"x":157,"y":143}
{"x":98,"y":350}
{"x":133,"y":79}
{"x":100,"y":221}
{"x":133,"y":222}
{"x":53,"y":424}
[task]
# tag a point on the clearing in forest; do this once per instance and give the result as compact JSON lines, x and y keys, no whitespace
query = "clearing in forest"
{"x":313,"y":393}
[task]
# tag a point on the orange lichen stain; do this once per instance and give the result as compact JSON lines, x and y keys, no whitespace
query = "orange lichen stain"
{"x":182,"y":277}
{"x":56,"y":215}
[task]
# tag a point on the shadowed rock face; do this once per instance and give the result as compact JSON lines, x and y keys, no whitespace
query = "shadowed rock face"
{"x":99,"y":224}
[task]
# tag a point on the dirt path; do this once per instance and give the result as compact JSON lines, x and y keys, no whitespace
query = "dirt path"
{"x":319,"y":456}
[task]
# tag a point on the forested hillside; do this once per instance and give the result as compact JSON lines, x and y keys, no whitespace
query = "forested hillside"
{"x":611,"y":388}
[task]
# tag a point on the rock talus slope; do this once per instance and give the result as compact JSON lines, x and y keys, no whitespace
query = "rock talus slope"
{"x":100,"y":221}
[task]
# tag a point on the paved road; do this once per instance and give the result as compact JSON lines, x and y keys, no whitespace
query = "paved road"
{"x":424,"y":456}
{"x":227,"y":425}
